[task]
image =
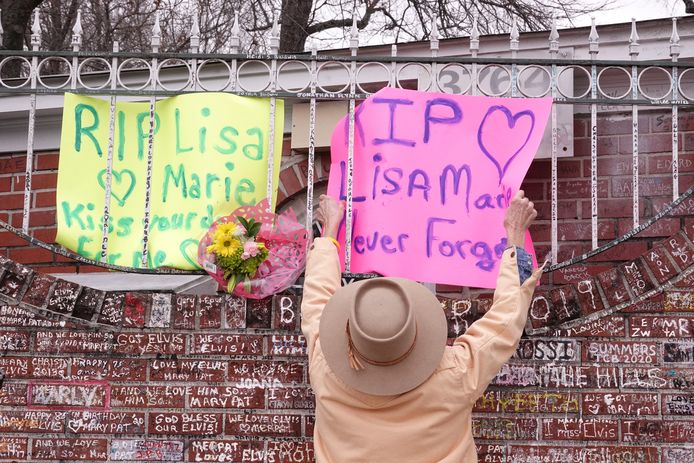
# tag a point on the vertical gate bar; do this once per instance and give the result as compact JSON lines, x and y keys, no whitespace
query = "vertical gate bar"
{"x":274,"y":49}
{"x":311,"y":139}
{"x":554,"y":51}
{"x":33,"y":75}
{"x":674,"y":53}
{"x":76,"y":44}
{"x":194,"y":46}
{"x":634,"y":52}
{"x":434,"y":48}
{"x":593,"y":50}
{"x":392,"y":79}
{"x":235,"y":44}
{"x":30,"y":153}
{"x":353,"y":45}
{"x":109,"y":157}
{"x":515,"y":35}
{"x":474,"y":48}
{"x":154,"y":76}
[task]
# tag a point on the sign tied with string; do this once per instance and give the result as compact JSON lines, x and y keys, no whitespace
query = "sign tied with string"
{"x":210,"y":156}
{"x":433,"y":176}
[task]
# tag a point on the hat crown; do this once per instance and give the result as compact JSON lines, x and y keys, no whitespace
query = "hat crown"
{"x":382,"y":322}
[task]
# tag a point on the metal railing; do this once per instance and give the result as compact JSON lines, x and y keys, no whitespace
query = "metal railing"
{"x":348,"y":76}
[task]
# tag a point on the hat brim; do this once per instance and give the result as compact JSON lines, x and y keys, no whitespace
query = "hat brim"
{"x":385,"y":380}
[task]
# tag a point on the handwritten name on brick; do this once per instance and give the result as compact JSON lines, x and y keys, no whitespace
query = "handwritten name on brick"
{"x":188,"y":370}
{"x":69,"y":395}
{"x":73,"y":341}
{"x":150,"y":343}
{"x":227,"y":344}
{"x":106,"y":422}
{"x":146,"y":450}
{"x":69,"y":449}
{"x":527,"y":402}
{"x":579,"y":429}
{"x":504,"y":428}
{"x":187,"y":424}
{"x":621,"y":352}
{"x":131,"y":396}
{"x":229,"y":450}
{"x":226,"y":397}
{"x":242,"y":424}
{"x":661,"y":327}
{"x":620,"y":404}
{"x":34,"y":367}
{"x":13,"y":448}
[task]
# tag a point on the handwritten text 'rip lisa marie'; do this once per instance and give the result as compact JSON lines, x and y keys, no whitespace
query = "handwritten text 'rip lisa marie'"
{"x":178,"y":181}
{"x":451,"y":194}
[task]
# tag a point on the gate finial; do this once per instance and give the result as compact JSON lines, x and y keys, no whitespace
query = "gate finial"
{"x":235,"y":34}
{"x":554,"y":37}
{"x":593,"y":38}
{"x":156,"y":33}
{"x":77,"y":32}
{"x":633,"y":39}
{"x":354,"y":34}
{"x":36,"y":31}
{"x":274,"y":36}
{"x":474,"y":36}
{"x":674,"y":40}
{"x":434,"y":37}
{"x":515,"y":35}
{"x":195,"y":31}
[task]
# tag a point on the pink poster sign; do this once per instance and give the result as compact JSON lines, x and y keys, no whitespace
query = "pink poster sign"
{"x":433,"y":175}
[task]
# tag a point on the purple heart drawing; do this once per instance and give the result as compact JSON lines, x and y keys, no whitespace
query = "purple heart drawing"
{"x":511,"y":119}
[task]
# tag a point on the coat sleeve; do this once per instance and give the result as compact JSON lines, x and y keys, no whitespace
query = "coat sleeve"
{"x":489,"y":342}
{"x":321,"y":280}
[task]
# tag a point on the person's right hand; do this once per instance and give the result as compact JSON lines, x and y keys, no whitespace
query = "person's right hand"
{"x":519,"y":215}
{"x":329,"y":215}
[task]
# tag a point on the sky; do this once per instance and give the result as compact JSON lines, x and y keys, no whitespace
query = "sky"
{"x":624,"y":10}
{"x":621,"y":11}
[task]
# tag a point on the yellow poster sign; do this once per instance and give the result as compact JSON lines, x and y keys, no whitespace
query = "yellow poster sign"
{"x":210,"y":156}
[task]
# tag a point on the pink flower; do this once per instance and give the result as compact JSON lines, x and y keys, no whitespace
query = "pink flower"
{"x":250,"y":249}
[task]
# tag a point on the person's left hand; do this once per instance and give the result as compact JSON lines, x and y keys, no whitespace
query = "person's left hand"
{"x":329,"y":215}
{"x":519,"y":215}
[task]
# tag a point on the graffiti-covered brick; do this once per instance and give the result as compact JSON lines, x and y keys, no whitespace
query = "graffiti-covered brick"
{"x":62,"y":299}
{"x":658,"y":261}
{"x":39,"y":289}
{"x":637,"y":276}
{"x":614,"y":287}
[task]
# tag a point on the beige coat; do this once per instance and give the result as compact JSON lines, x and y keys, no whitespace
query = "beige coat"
{"x":431,"y":423}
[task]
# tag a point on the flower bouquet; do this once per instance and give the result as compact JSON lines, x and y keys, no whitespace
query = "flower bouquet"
{"x":254,"y":253}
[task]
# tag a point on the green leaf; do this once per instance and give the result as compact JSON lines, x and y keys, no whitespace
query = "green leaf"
{"x":232,"y":283}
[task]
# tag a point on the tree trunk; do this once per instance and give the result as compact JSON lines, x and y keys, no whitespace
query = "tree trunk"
{"x":295,"y":15}
{"x":16,"y":15}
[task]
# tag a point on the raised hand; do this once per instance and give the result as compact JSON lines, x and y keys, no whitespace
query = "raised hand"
{"x":329,"y":215}
{"x":519,"y":215}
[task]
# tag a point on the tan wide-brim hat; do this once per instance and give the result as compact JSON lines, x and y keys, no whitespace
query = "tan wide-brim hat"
{"x":383,"y":336}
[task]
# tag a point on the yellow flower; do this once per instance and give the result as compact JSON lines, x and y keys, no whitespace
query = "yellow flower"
{"x":227,"y":228}
{"x":226,"y":245}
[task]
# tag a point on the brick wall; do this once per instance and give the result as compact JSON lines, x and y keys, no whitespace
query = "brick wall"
{"x":128,"y":376}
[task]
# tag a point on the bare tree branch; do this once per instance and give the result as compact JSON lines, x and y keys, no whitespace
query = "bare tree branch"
{"x":130,"y":22}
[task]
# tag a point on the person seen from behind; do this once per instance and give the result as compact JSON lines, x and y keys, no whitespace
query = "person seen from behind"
{"x":387,"y":387}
